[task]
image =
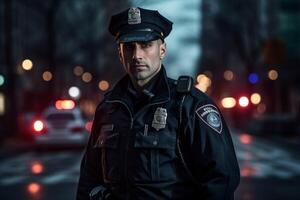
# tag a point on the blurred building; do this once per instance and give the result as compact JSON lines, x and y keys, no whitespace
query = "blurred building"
{"x":41,"y":45}
{"x":249,"y":39}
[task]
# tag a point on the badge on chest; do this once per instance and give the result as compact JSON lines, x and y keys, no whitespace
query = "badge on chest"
{"x":160,"y":118}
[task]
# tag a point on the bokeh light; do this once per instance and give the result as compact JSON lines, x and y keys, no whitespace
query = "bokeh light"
{"x":247,"y":171}
{"x":255,"y":98}
{"x":38,"y":125}
{"x":103,"y":85}
{"x":2,"y":104}
{"x":261,"y":108}
{"x":243,"y":101}
{"x":64,"y":104}
{"x":88,"y":126}
{"x":203,"y":82}
{"x":87,"y":77}
{"x":33,"y":188}
{"x":27,"y":64}
{"x":47,"y":76}
{"x":228,"y":102}
{"x":273,"y":75}
{"x":1,"y":80}
{"x":74,"y":92}
{"x":246,"y":138}
{"x":37,"y":167}
{"x":78,"y":70}
{"x":228,"y":75}
{"x":253,"y":78}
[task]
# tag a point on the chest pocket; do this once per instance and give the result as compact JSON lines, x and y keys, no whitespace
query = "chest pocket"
{"x":155,"y":139}
{"x":108,"y":141}
{"x":154,"y":155}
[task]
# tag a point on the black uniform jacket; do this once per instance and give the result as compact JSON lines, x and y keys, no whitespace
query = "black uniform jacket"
{"x":133,"y":150}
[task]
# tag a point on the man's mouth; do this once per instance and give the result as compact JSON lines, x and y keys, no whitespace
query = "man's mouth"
{"x":139,"y":66}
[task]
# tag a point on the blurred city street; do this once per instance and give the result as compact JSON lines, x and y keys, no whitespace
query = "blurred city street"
{"x":57,"y":62}
{"x":269,"y":170}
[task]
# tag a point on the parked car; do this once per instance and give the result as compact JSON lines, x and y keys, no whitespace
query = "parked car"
{"x":61,"y":125}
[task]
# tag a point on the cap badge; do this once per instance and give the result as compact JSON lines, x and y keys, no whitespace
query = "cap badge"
{"x":160,"y":118}
{"x":134,"y":16}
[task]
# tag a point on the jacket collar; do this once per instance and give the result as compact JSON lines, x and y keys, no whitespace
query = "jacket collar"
{"x":160,"y":90}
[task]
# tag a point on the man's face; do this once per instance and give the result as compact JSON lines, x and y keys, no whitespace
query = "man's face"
{"x":142,"y":60}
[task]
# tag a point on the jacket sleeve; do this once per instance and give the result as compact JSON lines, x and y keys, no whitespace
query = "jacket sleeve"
{"x":90,"y":169}
{"x":214,"y":161}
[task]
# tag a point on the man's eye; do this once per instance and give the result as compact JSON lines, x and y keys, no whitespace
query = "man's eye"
{"x":128,"y":47}
{"x":146,"y":45}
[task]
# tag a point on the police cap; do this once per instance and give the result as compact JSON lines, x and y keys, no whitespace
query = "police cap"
{"x":138,"y":24}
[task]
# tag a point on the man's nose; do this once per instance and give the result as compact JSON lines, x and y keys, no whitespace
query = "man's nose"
{"x":137,"y":52}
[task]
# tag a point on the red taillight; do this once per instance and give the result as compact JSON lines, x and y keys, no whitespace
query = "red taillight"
{"x":38,"y":126}
{"x":88,"y":126}
{"x":64,"y":104}
{"x":77,"y":129}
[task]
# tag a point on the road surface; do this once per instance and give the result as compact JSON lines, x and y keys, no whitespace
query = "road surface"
{"x":269,"y":171}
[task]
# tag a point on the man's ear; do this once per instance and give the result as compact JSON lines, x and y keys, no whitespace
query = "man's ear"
{"x":162,"y":50}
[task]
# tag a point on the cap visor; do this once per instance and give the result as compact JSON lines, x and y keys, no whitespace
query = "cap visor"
{"x":138,"y":36}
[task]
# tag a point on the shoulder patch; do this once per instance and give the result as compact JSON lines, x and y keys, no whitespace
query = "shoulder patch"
{"x":210,"y":115}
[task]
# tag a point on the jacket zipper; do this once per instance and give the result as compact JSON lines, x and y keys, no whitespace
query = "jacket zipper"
{"x":127,"y":139}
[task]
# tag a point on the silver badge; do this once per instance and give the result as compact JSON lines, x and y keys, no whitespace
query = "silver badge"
{"x":134,"y":16}
{"x":160,"y":118}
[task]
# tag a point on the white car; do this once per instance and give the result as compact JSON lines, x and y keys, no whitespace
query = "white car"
{"x":60,"y":126}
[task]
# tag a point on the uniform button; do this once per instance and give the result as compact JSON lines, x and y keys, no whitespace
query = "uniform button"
{"x":101,"y":142}
{"x":155,"y":142}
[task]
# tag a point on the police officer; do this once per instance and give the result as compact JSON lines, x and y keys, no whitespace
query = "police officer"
{"x":153,"y":137}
